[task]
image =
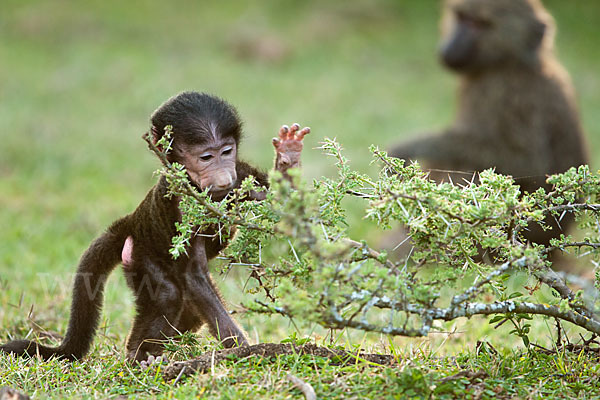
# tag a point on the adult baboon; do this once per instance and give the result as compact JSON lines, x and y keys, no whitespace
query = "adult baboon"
{"x":516,"y":107}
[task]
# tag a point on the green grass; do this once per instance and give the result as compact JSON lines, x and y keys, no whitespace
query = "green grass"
{"x":417,"y":373}
{"x":78,"y":81}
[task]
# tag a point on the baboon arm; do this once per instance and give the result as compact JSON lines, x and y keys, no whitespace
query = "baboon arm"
{"x":244,"y":170}
{"x":288,"y":147}
{"x":455,"y":150}
{"x":425,"y":146}
{"x":208,"y":303}
{"x":151,"y":326}
{"x":449,"y":149}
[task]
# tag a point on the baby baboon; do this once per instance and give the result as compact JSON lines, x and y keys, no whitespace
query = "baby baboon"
{"x":171,"y":296}
{"x":516,"y":108}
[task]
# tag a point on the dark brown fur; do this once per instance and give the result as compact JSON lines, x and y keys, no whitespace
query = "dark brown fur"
{"x":171,"y":295}
{"x":516,"y":106}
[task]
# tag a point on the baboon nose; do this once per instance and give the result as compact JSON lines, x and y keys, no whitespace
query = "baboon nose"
{"x":223,"y":184}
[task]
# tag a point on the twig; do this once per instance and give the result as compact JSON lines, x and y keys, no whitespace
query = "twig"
{"x":556,"y":282}
{"x":306,"y":389}
{"x":550,"y":249}
{"x":208,"y":360}
{"x":558,"y":333}
{"x":565,"y":207}
{"x":473,"y":290}
{"x":576,"y":206}
{"x":179,"y":376}
{"x":470,"y":375}
{"x":370,"y":252}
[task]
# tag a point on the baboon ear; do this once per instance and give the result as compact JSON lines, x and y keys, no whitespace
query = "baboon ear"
{"x":155,"y":135}
{"x":536,"y":36}
{"x":152,"y":135}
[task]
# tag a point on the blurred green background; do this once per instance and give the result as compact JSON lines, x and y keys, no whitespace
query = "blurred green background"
{"x":79,"y":79}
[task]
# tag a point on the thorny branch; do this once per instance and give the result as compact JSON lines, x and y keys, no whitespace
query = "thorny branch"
{"x":564,"y":246}
{"x":467,"y":310}
{"x":343,"y":285}
{"x":460,"y":307}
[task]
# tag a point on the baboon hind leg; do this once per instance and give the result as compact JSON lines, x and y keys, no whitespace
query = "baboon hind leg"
{"x":150,"y":329}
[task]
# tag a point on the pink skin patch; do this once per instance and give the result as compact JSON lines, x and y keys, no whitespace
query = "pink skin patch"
{"x":127,"y":252}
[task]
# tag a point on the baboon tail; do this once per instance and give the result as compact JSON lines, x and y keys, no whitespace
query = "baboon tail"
{"x":96,"y":264}
{"x":30,"y":348}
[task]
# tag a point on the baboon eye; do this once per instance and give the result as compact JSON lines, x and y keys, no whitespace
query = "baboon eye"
{"x":227,"y":151}
{"x":481,"y":23}
{"x":206,"y":157}
{"x":461,"y":16}
{"x":474,"y":22}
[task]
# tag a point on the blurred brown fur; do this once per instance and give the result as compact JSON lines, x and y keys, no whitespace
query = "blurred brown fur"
{"x":516,"y":104}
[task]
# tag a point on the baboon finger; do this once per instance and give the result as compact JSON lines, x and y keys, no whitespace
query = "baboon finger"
{"x":293,"y":129}
{"x":283,"y":131}
{"x":305,"y":131}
